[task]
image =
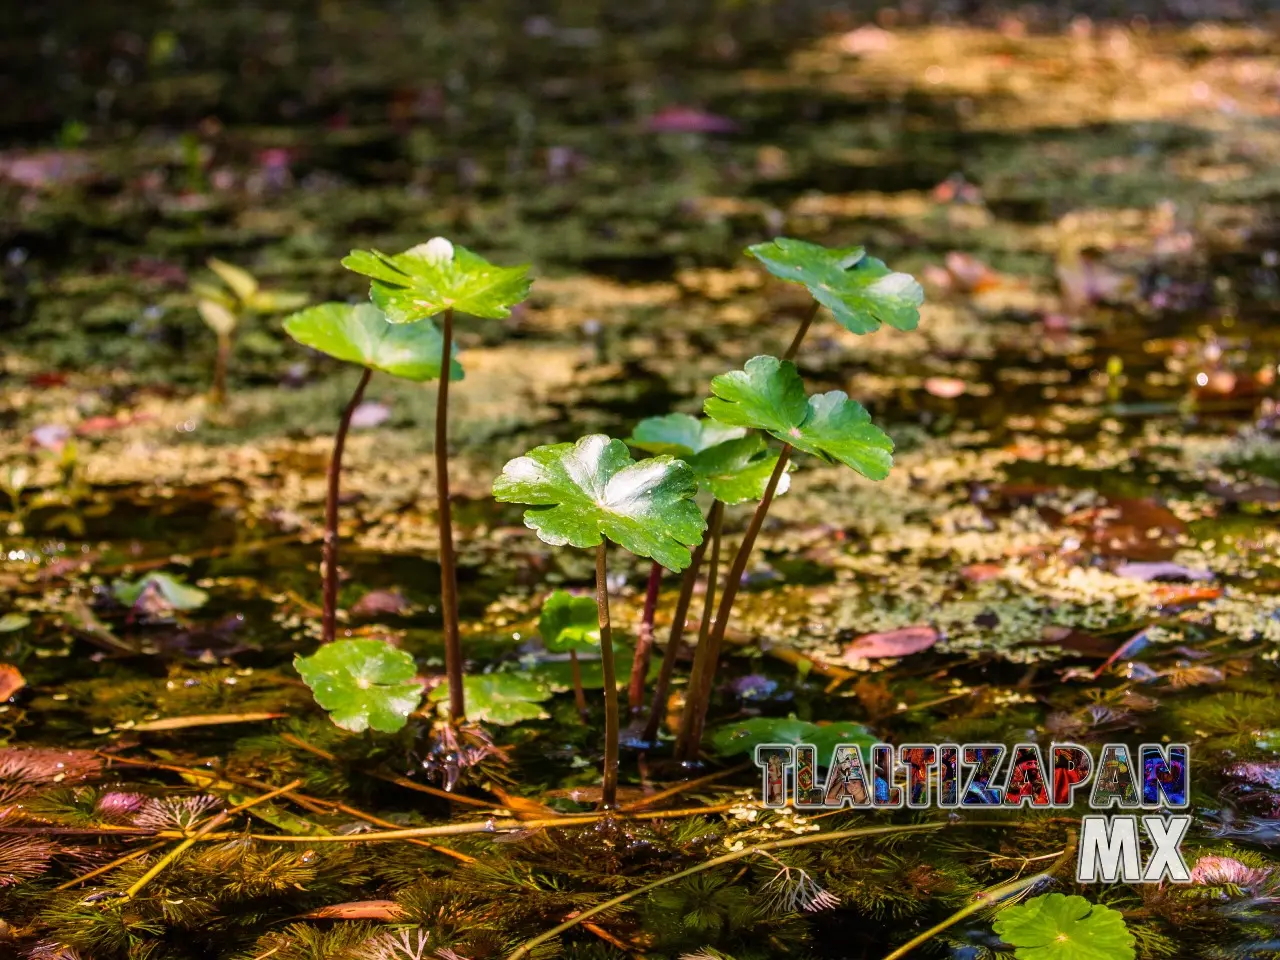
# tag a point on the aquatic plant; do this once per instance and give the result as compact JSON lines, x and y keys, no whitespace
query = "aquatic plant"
{"x":587,"y":493}
{"x":362,"y":683}
{"x":732,"y":466}
{"x":1059,"y":927}
{"x":430,"y":279}
{"x":569,"y":623}
{"x":360,"y":334}
{"x":220,"y":307}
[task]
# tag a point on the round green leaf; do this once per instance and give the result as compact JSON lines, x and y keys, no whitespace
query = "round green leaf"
{"x":362,"y":683}
{"x":569,"y":623}
{"x":360,"y":333}
{"x":500,"y":698}
{"x":680,"y":435}
{"x":768,"y":394}
{"x":583,"y":491}
{"x":744,"y":735}
{"x":860,"y":291}
{"x":175,"y":591}
{"x":738,"y":470}
{"x":1059,"y":927}
{"x":242,"y":283}
{"x":434,"y":276}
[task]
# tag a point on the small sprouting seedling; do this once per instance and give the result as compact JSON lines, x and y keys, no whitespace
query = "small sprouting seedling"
{"x":173,"y":592}
{"x":586,"y":493}
{"x":769,"y":395}
{"x":500,"y":698}
{"x":731,"y":465}
{"x":1060,"y":927}
{"x":860,"y":291}
{"x":433,"y":278}
{"x":220,"y":307}
{"x":361,"y":334}
{"x":364,"y":684}
{"x":569,"y":624}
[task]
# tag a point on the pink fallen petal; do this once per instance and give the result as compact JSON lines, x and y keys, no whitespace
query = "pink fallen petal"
{"x":866,"y":39}
{"x":891,"y":643}
{"x":380,"y":602}
{"x":689,"y":120}
{"x":946,"y":387}
{"x":52,"y":437}
{"x":370,"y":414}
{"x":1161,"y":570}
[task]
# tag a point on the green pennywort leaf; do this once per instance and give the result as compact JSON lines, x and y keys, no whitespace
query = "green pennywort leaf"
{"x":360,"y":333}
{"x":501,"y":698}
{"x":860,"y":291}
{"x":364,"y":684}
{"x":242,"y":283}
{"x":583,"y":491}
{"x":768,"y":395}
{"x":730,"y":464}
{"x":435,"y":276}
{"x":1061,"y":927}
{"x":680,"y":435}
{"x":569,"y":623}
{"x":174,"y":591}
{"x":216,"y":317}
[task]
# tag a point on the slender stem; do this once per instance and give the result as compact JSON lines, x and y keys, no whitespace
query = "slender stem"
{"x":448,"y":568}
{"x":108,"y":867}
{"x":644,"y":641}
{"x":987,"y":898}
{"x":609,"y":796}
{"x":218,"y":394}
{"x":713,"y":572}
{"x":708,"y":654}
{"x":330,"y":621}
{"x":579,"y":695}
{"x":527,"y":947}
{"x":800,"y":334}
{"x":687,"y":584}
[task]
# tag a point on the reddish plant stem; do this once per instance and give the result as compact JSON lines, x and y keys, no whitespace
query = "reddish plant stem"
{"x":687,"y":583}
{"x":713,"y":570}
{"x":644,"y":641}
{"x":704,"y":664}
{"x":579,"y":695}
{"x":800,"y":334}
{"x":609,"y":794}
{"x":444,"y":513}
{"x":330,"y":552}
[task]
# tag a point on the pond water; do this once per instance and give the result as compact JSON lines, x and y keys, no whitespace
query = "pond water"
{"x":1081,"y":518}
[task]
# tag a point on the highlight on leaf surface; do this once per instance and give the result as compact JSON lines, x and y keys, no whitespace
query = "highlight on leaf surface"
{"x":438,"y":275}
{"x":730,"y":464}
{"x":768,"y":395}
{"x":1060,"y":927}
{"x":501,"y":698}
{"x":569,"y":623}
{"x":360,"y":333}
{"x":581,"y":492}
{"x":860,"y":291}
{"x":364,"y":684}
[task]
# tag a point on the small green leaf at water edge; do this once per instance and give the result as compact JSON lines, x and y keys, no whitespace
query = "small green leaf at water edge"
{"x":569,"y":623}
{"x":768,"y":394}
{"x":744,"y":735}
{"x":436,"y":276}
{"x":360,"y":333}
{"x":12,"y":622}
{"x":1061,"y":927}
{"x":860,"y":291}
{"x":364,"y":684}
{"x":499,"y":698}
{"x":175,"y":591}
{"x":581,"y":492}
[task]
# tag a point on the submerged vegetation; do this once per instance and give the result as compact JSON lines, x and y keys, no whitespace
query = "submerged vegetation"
{"x":306,"y":656}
